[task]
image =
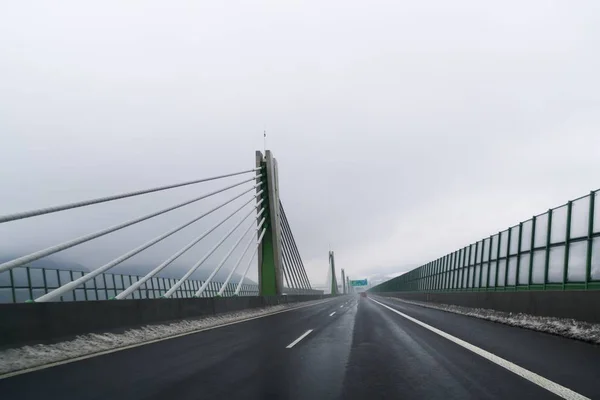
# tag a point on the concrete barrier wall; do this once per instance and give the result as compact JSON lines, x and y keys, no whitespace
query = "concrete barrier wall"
{"x":580,"y":305}
{"x":43,"y":322}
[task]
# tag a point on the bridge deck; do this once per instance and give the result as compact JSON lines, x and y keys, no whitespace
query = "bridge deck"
{"x":357,"y":349}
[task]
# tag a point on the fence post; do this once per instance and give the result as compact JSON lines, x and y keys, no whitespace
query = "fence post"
{"x":270,"y":266}
{"x":567,"y":244}
{"x":531,"y":248}
{"x":548,"y":234}
{"x":588,"y":263}
{"x":518,"y":255}
{"x":489,"y":264}
{"x":507,"y":258}
{"x":498,"y":246}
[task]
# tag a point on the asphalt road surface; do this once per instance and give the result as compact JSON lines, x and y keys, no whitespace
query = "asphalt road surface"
{"x":344,"y":348}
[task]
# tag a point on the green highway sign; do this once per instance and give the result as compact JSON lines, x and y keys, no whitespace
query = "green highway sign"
{"x":361,"y":282}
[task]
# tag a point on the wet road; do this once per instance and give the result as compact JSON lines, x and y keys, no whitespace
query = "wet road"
{"x":343,"y":348}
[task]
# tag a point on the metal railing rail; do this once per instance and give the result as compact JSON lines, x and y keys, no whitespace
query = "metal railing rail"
{"x":555,"y":250}
{"x":24,"y":283}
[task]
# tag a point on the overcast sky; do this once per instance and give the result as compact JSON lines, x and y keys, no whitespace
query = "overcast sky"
{"x":403,"y":129}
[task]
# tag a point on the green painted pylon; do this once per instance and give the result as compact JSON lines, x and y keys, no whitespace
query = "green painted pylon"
{"x":334,"y":288}
{"x":270,"y":279}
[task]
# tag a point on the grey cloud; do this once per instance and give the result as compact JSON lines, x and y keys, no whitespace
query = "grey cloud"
{"x":402,"y":130}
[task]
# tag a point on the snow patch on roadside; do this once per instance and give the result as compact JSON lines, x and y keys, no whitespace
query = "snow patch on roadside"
{"x":37,"y":355}
{"x":569,"y":328}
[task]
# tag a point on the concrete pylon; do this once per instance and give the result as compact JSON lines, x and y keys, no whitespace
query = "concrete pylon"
{"x":334,"y":288}
{"x":344,"y":291}
{"x":348,"y":284}
{"x":270,"y":264}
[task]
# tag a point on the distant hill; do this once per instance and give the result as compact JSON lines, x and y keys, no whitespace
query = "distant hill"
{"x":172,"y":271}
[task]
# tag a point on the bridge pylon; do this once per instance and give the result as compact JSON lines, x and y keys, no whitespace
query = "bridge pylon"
{"x":270,"y":277}
{"x":334,"y":287}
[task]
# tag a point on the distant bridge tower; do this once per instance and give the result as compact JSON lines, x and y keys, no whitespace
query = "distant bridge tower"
{"x":344,"y":291}
{"x":334,"y":286}
{"x":348,"y":284}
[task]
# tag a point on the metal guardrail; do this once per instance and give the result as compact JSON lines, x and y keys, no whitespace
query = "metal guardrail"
{"x":23,"y":283}
{"x":555,"y":250}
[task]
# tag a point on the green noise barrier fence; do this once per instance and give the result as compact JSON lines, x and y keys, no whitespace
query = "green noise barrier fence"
{"x":556,"y":250}
{"x":23,"y":283}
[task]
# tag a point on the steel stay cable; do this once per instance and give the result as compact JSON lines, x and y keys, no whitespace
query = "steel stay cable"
{"x":298,"y":259}
{"x":199,"y":263}
{"x":293,"y":265}
{"x":82,"y":239}
{"x":291,"y":244}
{"x":295,"y":247}
{"x":292,"y":256}
{"x":288,"y":282}
{"x":53,"y":209}
{"x":237,"y":290}
{"x":73,"y":284}
{"x":291,"y":272}
{"x":226,"y":257}
{"x":296,"y":274}
{"x":288,"y":260}
{"x":239,"y":260}
{"x":168,"y":261}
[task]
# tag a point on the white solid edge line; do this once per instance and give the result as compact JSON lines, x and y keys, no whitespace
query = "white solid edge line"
{"x":331,"y":315}
{"x":547,"y":384}
{"x":101,"y":353}
{"x":305,"y":334}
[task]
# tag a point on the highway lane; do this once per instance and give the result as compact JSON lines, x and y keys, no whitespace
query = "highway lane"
{"x":345,"y":348}
{"x":245,"y":360}
{"x":417,"y":363}
{"x":570,"y":363}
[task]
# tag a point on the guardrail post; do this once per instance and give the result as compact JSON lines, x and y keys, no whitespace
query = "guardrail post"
{"x":270,"y":277}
